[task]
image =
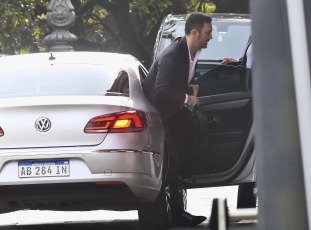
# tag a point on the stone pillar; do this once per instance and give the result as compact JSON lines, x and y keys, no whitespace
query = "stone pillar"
{"x":60,"y":17}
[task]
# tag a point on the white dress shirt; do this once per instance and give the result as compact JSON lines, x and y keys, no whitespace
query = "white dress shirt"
{"x":249,"y":60}
{"x":192,"y":66}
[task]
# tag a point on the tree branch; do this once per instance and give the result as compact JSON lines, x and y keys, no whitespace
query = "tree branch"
{"x":200,"y":4}
{"x":101,"y":22}
{"x":193,"y":7}
{"x":89,"y":5}
{"x":105,"y":4}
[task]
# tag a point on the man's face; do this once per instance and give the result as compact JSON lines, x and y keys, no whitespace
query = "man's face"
{"x":205,"y":35}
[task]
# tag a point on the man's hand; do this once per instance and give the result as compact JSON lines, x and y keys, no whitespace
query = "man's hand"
{"x":227,"y":60}
{"x":195,"y":89}
{"x":192,"y":101}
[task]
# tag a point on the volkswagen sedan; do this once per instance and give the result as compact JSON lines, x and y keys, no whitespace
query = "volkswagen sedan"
{"x":77,"y":133}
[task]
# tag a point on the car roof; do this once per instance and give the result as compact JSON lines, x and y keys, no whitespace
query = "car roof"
{"x":93,"y":58}
{"x":214,"y":16}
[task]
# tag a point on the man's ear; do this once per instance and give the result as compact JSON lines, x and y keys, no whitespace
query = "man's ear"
{"x":194,"y":32}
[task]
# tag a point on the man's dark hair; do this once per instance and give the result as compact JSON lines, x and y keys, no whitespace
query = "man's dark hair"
{"x":196,"y":20}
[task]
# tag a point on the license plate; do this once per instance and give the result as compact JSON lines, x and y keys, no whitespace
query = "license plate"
{"x":57,"y":168}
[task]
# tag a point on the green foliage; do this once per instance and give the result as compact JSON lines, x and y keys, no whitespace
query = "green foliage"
{"x":151,"y":11}
{"x":94,"y":22}
{"x":23,"y":22}
{"x":20,"y":28}
{"x":204,"y":6}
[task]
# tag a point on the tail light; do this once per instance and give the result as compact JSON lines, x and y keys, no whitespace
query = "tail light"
{"x":1,"y":132}
{"x":130,"y":121}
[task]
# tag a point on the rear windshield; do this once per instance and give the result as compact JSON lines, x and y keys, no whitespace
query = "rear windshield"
{"x":63,"y":80}
{"x":229,"y":38}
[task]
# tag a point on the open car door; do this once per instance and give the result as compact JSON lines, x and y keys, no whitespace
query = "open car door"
{"x":221,"y":144}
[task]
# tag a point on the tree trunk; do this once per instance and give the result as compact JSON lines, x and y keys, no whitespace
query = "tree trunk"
{"x":178,"y":7}
{"x":78,"y":27}
{"x":127,"y":31}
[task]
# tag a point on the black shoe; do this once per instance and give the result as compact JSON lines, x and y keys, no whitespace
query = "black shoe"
{"x":185,"y":219}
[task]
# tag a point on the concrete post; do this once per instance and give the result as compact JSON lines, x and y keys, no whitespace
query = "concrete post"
{"x":60,"y":17}
{"x":280,"y":177}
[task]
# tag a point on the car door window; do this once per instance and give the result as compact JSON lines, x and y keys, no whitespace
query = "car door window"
{"x":59,"y":79}
{"x":121,"y":84}
{"x":221,"y":79}
{"x":230,"y":37}
{"x":142,"y":73}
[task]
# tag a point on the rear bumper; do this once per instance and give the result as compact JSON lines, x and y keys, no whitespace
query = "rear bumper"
{"x":91,"y":183}
{"x":69,"y":197}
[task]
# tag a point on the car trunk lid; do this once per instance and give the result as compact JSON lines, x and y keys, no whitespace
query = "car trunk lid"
{"x":68,"y":116}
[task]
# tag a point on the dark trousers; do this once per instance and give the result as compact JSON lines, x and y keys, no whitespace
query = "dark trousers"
{"x":173,"y":145}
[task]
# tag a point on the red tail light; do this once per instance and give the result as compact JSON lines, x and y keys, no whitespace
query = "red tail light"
{"x":1,"y":132}
{"x":130,"y":121}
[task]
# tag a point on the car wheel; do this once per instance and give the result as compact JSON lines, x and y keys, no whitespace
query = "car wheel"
{"x":157,"y":214}
{"x":246,"y":196}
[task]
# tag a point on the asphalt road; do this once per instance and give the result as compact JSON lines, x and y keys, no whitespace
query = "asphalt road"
{"x":118,"y":225}
{"x":199,"y":203}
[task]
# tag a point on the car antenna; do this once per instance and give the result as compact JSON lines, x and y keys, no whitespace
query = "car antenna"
{"x":51,"y":58}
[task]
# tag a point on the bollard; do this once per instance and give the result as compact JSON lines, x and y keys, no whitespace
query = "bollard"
{"x":220,"y":215}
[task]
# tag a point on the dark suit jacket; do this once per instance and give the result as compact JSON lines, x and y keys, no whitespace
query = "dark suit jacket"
{"x":167,"y":82}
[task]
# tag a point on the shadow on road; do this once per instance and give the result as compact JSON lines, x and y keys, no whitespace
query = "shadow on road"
{"x":115,"y":225}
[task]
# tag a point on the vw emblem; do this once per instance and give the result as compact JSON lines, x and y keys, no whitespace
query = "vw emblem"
{"x":43,"y":124}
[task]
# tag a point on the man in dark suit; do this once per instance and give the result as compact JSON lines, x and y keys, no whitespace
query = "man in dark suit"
{"x":167,"y":86}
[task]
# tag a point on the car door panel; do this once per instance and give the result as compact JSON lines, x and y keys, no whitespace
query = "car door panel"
{"x":229,"y":118}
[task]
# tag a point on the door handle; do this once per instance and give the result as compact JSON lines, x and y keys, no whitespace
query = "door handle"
{"x":214,"y":120}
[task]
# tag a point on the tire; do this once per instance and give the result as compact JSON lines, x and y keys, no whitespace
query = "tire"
{"x":246,"y":196}
{"x":157,"y":215}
